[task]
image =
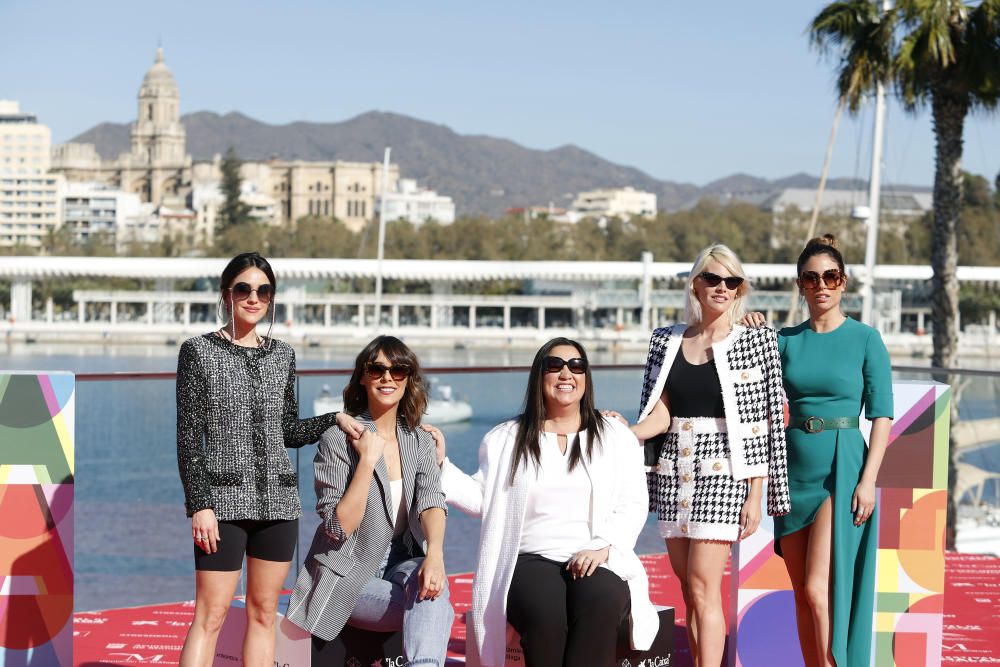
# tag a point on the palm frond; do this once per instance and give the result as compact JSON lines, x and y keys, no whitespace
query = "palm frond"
{"x":981,"y":53}
{"x":860,"y":35}
{"x":949,"y":45}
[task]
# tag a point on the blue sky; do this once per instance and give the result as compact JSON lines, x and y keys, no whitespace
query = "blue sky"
{"x":686,"y":91}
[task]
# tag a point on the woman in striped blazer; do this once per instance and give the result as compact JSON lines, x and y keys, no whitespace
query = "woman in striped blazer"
{"x":377,"y":559}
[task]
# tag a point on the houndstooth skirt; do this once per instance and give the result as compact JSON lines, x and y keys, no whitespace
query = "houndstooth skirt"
{"x":695,"y":494}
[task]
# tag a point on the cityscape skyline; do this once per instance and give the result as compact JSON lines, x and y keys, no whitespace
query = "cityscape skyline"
{"x":754,"y":97}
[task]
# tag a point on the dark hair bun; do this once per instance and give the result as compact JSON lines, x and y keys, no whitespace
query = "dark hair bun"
{"x":825,"y":239}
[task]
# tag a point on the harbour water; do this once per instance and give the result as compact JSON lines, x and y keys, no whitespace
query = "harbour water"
{"x":132,"y":539}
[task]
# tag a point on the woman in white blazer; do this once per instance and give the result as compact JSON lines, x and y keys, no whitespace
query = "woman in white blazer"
{"x":562,"y":498}
{"x":377,"y":561}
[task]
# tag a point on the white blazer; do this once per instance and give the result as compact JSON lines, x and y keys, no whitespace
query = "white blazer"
{"x":619,"y":503}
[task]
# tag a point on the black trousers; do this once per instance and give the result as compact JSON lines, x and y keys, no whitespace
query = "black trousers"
{"x":566,"y":621}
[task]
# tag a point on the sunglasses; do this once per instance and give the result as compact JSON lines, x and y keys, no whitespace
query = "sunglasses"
{"x":577,"y":366}
{"x":397,"y":372}
{"x":241,"y":291}
{"x":832,"y":278}
{"x":713,"y":280}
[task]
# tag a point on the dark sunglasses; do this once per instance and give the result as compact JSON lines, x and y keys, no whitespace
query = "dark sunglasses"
{"x":832,"y":278}
{"x":241,"y":291}
{"x":713,"y":280}
{"x":397,"y":372}
{"x":577,"y":366}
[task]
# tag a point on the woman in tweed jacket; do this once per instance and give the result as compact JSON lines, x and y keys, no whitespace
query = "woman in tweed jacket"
{"x":236,"y":414}
{"x":714,"y":388}
{"x":377,"y":559}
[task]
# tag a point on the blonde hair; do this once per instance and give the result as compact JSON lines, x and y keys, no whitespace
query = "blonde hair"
{"x":723,"y":255}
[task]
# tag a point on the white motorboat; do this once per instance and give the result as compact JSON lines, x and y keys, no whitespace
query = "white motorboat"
{"x":978,"y":530}
{"x":442,"y":407}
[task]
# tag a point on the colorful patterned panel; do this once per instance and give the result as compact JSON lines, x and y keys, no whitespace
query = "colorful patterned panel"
{"x":36,"y":518}
{"x":909,"y":598}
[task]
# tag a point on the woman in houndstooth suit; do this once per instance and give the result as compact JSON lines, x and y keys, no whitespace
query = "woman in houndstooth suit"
{"x":714,"y":389}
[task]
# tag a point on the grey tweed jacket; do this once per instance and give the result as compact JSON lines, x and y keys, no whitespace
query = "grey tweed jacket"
{"x":236,"y":414}
{"x":339,"y":565}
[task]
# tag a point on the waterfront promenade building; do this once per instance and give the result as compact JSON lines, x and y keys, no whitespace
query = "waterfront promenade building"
{"x":29,"y":194}
{"x":327,"y":302}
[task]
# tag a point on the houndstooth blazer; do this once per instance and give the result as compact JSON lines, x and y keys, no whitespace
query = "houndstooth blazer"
{"x":749,"y":368}
{"x":339,"y":565}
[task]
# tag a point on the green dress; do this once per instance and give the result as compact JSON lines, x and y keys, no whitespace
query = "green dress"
{"x":832,"y":375}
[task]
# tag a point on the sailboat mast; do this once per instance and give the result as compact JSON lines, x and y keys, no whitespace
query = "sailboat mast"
{"x":874,"y":192}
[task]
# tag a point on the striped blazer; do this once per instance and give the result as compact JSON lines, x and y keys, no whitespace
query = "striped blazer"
{"x":339,"y":565}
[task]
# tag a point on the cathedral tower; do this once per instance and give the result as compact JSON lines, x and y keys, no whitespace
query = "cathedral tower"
{"x":158,"y":137}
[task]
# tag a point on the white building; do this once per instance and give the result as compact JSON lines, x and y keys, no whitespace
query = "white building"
{"x":417,"y":205}
{"x":29,"y":195}
{"x":206,"y":199}
{"x":613,"y":202}
{"x":93,"y":209}
{"x":145,"y":227}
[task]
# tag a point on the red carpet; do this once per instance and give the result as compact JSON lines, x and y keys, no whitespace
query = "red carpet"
{"x":153,"y":635}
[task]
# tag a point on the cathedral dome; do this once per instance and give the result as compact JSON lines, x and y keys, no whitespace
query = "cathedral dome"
{"x":159,"y":75}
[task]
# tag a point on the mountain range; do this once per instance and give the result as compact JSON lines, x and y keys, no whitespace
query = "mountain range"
{"x":483,"y":174}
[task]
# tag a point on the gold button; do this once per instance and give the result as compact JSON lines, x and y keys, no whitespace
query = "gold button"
{"x":716,"y":466}
{"x":685,"y":504}
{"x":756,"y":430}
{"x":744,"y":376}
{"x":686,"y":452}
{"x":684,"y":529}
{"x":687,"y":426}
{"x":686,"y":478}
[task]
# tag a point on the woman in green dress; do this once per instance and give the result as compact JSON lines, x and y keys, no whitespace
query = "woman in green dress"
{"x":832,"y":366}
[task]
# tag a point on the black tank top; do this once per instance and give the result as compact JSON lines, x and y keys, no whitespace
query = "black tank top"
{"x":693,"y":389}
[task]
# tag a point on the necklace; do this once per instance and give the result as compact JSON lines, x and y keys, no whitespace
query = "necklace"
{"x":227,"y":336}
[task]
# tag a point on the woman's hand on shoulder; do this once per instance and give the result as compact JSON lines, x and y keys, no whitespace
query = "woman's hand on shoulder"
{"x":369,"y":447}
{"x":351,"y":427}
{"x":586,"y":561}
{"x":205,"y":530}
{"x":614,"y":414}
{"x":440,"y":447}
{"x":754,"y":320}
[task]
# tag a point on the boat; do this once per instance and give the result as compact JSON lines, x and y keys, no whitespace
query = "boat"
{"x":442,"y":407}
{"x":978,"y":530}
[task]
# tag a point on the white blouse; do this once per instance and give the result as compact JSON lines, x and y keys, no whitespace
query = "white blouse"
{"x":557,"y":517}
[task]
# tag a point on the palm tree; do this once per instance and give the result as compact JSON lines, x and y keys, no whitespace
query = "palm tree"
{"x":941,"y":53}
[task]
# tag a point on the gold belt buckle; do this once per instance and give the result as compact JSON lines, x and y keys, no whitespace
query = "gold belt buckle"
{"x":813,"y":425}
